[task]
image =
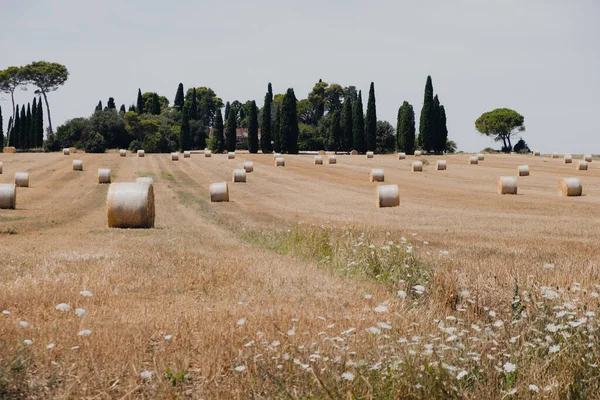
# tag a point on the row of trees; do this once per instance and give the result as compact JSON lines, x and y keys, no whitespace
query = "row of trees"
{"x":27,"y":127}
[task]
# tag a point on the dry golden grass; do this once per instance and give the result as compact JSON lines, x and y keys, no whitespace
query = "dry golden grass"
{"x":207,"y":277}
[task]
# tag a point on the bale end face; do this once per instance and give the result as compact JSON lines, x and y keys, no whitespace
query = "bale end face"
{"x":219,"y":192}
{"x":174,"y":157}
{"x":388,"y":196}
{"x":130,"y":205}
{"x":66,"y":152}
{"x":104,"y":175}
{"x":417,"y":166}
{"x":568,"y":159}
{"x":536,"y":153}
{"x":523,"y":170}
{"x":280,"y":162}
{"x":354,"y":153}
{"x":370,"y":154}
{"x":587,"y":157}
{"x":582,"y":165}
{"x":554,"y":155}
{"x":507,"y":185}
{"x":401,"y":156}
{"x":231,"y":155}
{"x":248,"y":166}
{"x":123,"y":153}
{"x":318,"y":160}
{"x":418,"y":153}
{"x":473,"y":160}
{"x":22,"y":179}
{"x":9,"y":149}
{"x":8,"y":196}
{"x":1,"y":165}
{"x":441,"y":165}
{"x":77,"y":165}
{"x":239,"y":175}
{"x":570,"y":187}
{"x":207,"y":153}
{"x":480,"y":157}
{"x":376,"y":175}
{"x":332,"y":160}
{"x":141,"y":153}
{"x":187,"y":154}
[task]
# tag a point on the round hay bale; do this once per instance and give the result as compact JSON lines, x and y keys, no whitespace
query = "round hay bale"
{"x":104,"y":175}
{"x":231,"y":155}
{"x":332,"y":160}
{"x":275,"y":155}
{"x":66,"y":151}
{"x":174,"y":156}
{"x":207,"y":153}
{"x":570,"y":187}
{"x":123,"y":153}
{"x":441,"y":165}
{"x":280,"y":162}
{"x":568,"y":159}
{"x":187,"y":154}
{"x":388,"y":196}
{"x":8,"y":196}
{"x":523,"y":170}
{"x":318,"y":160}
{"x":321,"y":152}
{"x":582,"y":165}
{"x":376,"y":175}
{"x":473,"y":160}
{"x":401,"y":156}
{"x":145,"y":179}
{"x":77,"y":165}
{"x":354,"y":153}
{"x":130,"y":205}
{"x":417,"y":166}
{"x":141,"y":153}
{"x":554,"y":155}
{"x":248,"y":166}
{"x":239,"y":175}
{"x":370,"y":154}
{"x":22,"y":179}
{"x":9,"y":149}
{"x":480,"y":157}
{"x":219,"y":191}
{"x":1,"y":164}
{"x":418,"y":153}
{"x":587,"y":157}
{"x":507,"y":185}
{"x":536,"y":153}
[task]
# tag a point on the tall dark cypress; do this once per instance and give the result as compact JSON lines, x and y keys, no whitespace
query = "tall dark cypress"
{"x":9,"y":128}
{"x":98,"y":106}
{"x":14,"y":134}
{"x":179,"y":98}
{"x":289,"y":123}
{"x":443,"y":129}
{"x":28,"y":126}
{"x":230,"y":132}
{"x":266,"y":130}
{"x":40,"y":123}
{"x":185,"y":137}
{"x":155,"y":104}
{"x":335,"y":132}
{"x":1,"y":129}
{"x":131,"y":108}
{"x":23,"y":129}
{"x":34,"y":129}
{"x":346,"y":121}
{"x":194,"y":106}
{"x":140,"y":102}
{"x":405,"y":129}
{"x":277,"y":130}
{"x":227,"y":109}
{"x":435,"y":123}
{"x":111,"y":104}
{"x":358,"y":125}
{"x":426,"y":122}
{"x":371,"y":121}
{"x":219,"y":142}
{"x":253,"y":129}
{"x":122,"y":109}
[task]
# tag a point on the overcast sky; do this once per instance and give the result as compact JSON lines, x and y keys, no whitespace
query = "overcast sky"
{"x":539,"y":57}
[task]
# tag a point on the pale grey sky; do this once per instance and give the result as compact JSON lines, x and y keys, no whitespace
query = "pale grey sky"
{"x":539,"y":57}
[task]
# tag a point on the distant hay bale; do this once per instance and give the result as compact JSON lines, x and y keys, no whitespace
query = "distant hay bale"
{"x":480,"y":157}
{"x":536,"y":153}
{"x":568,"y":159}
{"x":354,"y":153}
{"x":9,"y":149}
{"x":104,"y":175}
{"x":376,"y":175}
{"x":275,"y":155}
{"x":77,"y":165}
{"x":8,"y":196}
{"x":174,"y":156}
{"x":441,"y":165}
{"x":130,"y":205}
{"x":321,"y":152}
{"x":219,"y":191}
{"x":141,"y":153}
{"x":388,"y":196}
{"x":554,"y":155}
{"x":370,"y":154}
{"x":1,"y":164}
{"x":123,"y":153}
{"x":207,"y":153}
{"x":401,"y":156}
{"x":587,"y":157}
{"x":22,"y":179}
{"x":473,"y":160}
{"x":280,"y":162}
{"x":582,"y":165}
{"x":523,"y":170}
{"x":332,"y":160}
{"x":418,"y":153}
{"x":66,"y":151}
{"x":239,"y":175}
{"x":187,"y":154}
{"x":570,"y":187}
{"x":248,"y":166}
{"x":231,"y":155}
{"x":145,"y":179}
{"x":318,"y":160}
{"x":507,"y":185}
{"x":73,"y":150}
{"x":417,"y":166}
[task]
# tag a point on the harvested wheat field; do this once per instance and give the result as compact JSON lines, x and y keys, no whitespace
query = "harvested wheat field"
{"x":300,"y":286}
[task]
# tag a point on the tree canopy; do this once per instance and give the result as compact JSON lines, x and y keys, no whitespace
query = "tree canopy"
{"x":501,"y":124}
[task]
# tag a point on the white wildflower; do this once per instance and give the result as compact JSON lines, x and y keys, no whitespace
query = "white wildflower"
{"x":86,"y":293}
{"x":373,"y":330}
{"x":499,"y":324}
{"x":533,"y":388}
{"x":241,"y":322}
{"x":461,"y":374}
{"x":85,"y":332}
{"x":444,"y":252}
{"x":291,"y":332}
{"x":275,"y":343}
{"x":548,"y":266}
{"x":368,"y":296}
{"x":24,"y":324}
{"x":28,"y":341}
{"x":240,"y":368}
{"x":492,"y":314}
{"x":554,"y":349}
{"x":402,"y":294}
{"x":476,"y":328}
{"x":80,"y":312}
{"x":63,"y":307}
{"x":552,"y":328}
{"x":146,"y":374}
{"x":348,"y":331}
{"x":419,"y":289}
{"x":381,"y":308}
{"x":384,"y":325}
{"x":168,"y":337}
{"x":5,"y":312}
{"x":50,"y":346}
{"x":509,"y":367}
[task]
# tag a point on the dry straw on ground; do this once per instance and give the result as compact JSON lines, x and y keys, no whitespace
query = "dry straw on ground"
{"x":104,"y":175}
{"x":318,"y":160}
{"x":130,"y":205}
{"x":582,"y":165}
{"x":279,"y":162}
{"x":77,"y":165}
{"x":218,"y":192}
{"x":388,"y":196}
{"x":523,"y":170}
{"x":141,"y":153}
{"x":441,"y":165}
{"x":376,"y":175}
{"x":417,"y":166}
{"x":570,"y":187}
{"x":8,"y":196}
{"x":332,"y":159}
{"x":239,"y":175}
{"x":22,"y":179}
{"x":248,"y":166}
{"x":507,"y":185}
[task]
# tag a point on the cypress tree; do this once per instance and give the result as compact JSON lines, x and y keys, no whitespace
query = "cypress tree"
{"x":219,"y":143}
{"x":14,"y":135}
{"x":140,"y":102}
{"x":194,"y":106}
{"x":28,"y":126}
{"x":227,"y":109}
{"x":185,"y":138}
{"x":230,"y":131}
{"x":288,"y":127}
{"x":358,"y":126}
{"x":371,"y":121}
{"x":34,"y":120}
{"x":253,"y":129}
{"x":155,"y":104}
{"x":23,"y":129}
{"x":98,"y":106}
{"x":1,"y":129}
{"x":179,"y":98}
{"x":265,"y":131}
{"x":346,"y":121}
{"x":335,"y":132}
{"x":9,"y":130}
{"x":131,"y":108}
{"x":427,"y":120}
{"x":435,"y":123}
{"x":443,"y":129}
{"x":122,"y":109}
{"x":277,"y":130}
{"x":405,"y":129}
{"x":111,"y":104}
{"x":40,"y":123}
